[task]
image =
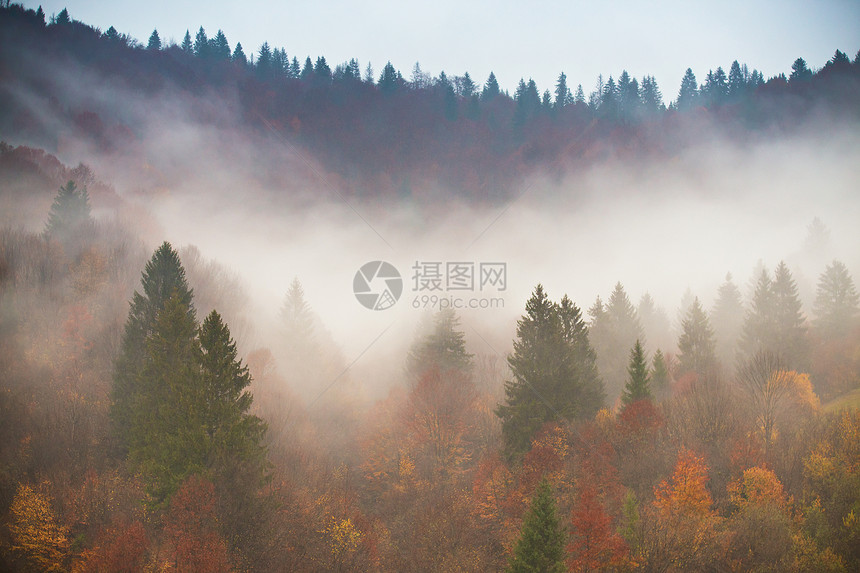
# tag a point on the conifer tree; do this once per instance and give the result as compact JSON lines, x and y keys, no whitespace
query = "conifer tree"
{"x":696,"y":343}
{"x":187,"y":45}
{"x":69,"y":213}
{"x":836,"y":301}
{"x":442,"y":350}
{"x":491,"y":88}
{"x":201,"y":44}
{"x":688,"y":94}
{"x":659,"y":373}
{"x":541,"y":543}
{"x":154,"y":43}
{"x":727,"y":319}
{"x":638,"y":378}
{"x":162,"y":277}
{"x":553,"y":373}
{"x":758,"y":323}
{"x":788,"y":320}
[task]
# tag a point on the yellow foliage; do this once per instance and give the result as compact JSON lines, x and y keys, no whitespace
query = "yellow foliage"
{"x":757,"y":487}
{"x":343,"y":536}
{"x":36,"y":536}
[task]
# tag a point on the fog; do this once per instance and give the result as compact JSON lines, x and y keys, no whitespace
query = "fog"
{"x":265,"y":209}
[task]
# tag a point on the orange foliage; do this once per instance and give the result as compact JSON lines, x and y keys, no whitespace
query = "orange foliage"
{"x":594,"y":546}
{"x":686,"y":492}
{"x":190,"y":529}
{"x":757,"y":487}
{"x":121,"y":548}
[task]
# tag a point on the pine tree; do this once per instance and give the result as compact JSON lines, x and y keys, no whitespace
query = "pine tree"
{"x":541,"y":543}
{"x":616,"y":331}
{"x":69,"y":214}
{"x":638,"y":378}
{"x":219,"y":48}
{"x":659,"y":373}
{"x":552,"y":376}
{"x":162,"y":277}
{"x":63,"y":19}
{"x":650,"y":96}
{"x":187,"y":45}
{"x":491,"y":88}
{"x":154,"y":43}
{"x":201,"y":44}
{"x":388,"y":79}
{"x":562,"y":92}
{"x":758,"y":323}
{"x":727,"y":318}
{"x":788,"y":320}
{"x":836,"y":301}
{"x":575,"y":333}
{"x":799,"y":71}
{"x":263,"y":66}
{"x":737,"y":82}
{"x":689,"y":92}
{"x":696,"y":343}
{"x":239,"y":55}
{"x":442,"y":350}
{"x":233,"y":436}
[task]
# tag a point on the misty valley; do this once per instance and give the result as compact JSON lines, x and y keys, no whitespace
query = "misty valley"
{"x":263,"y":316}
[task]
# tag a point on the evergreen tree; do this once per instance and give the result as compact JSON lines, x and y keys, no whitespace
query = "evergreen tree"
{"x":295,"y":70}
{"x":322,"y":71}
{"x":162,"y":277}
{"x":491,"y":88}
{"x":614,"y":338}
{"x":788,"y":320}
{"x":836,"y":301}
{"x":638,"y":378}
{"x":655,"y":323}
{"x":187,"y":45}
{"x":442,"y":350}
{"x":562,"y":92}
{"x":799,"y":71}
{"x":540,"y":547}
{"x":111,"y":35}
{"x":579,"y":96}
{"x":553,"y":378}
{"x":69,"y":214}
{"x":727,"y":318}
{"x":628,"y":96}
{"x":689,"y":92}
{"x":575,"y":333}
{"x":166,"y":432}
{"x":307,"y":69}
{"x":219,"y":48}
{"x":737,"y":82}
{"x":650,"y":96}
{"x":388,"y":79}
{"x":154,"y":43}
{"x":609,"y":106}
{"x":63,"y":19}
{"x":758,"y":323}
{"x":234,"y":437}
{"x":716,"y":87}
{"x":201,"y":44}
{"x":239,"y":55}
{"x":659,"y":373}
{"x":696,"y":343}
{"x":263,"y":65}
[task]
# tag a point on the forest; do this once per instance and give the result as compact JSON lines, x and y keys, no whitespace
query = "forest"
{"x":157,"y":412}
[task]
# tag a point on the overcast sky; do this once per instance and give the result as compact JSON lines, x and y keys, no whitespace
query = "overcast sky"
{"x":514,"y":39}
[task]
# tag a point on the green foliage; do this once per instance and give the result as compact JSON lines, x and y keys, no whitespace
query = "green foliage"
{"x":540,"y":547}
{"x":659,"y":373}
{"x":554,"y":376}
{"x":638,"y":379}
{"x":162,"y":277}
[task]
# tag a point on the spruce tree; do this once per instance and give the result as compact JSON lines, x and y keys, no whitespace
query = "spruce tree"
{"x":154,"y":43}
{"x":187,"y":45}
{"x":758,"y":323}
{"x":696,"y":343}
{"x":638,"y":378}
{"x":233,"y":436}
{"x":727,"y":318}
{"x":689,"y":92}
{"x":553,"y":373}
{"x":201,"y":44}
{"x":540,"y":547}
{"x":69,"y":214}
{"x":442,"y":350}
{"x":836,"y":301}
{"x":162,"y":277}
{"x":491,"y":88}
{"x":166,"y":433}
{"x":788,"y":320}
{"x":659,"y":373}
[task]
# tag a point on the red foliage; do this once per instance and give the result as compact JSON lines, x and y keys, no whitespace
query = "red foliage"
{"x":594,"y":545}
{"x":121,"y":548}
{"x":194,"y":543}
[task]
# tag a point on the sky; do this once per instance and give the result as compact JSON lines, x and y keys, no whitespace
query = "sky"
{"x":515,"y":40}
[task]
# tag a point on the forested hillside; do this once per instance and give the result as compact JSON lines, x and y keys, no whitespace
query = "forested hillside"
{"x":153,"y":419}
